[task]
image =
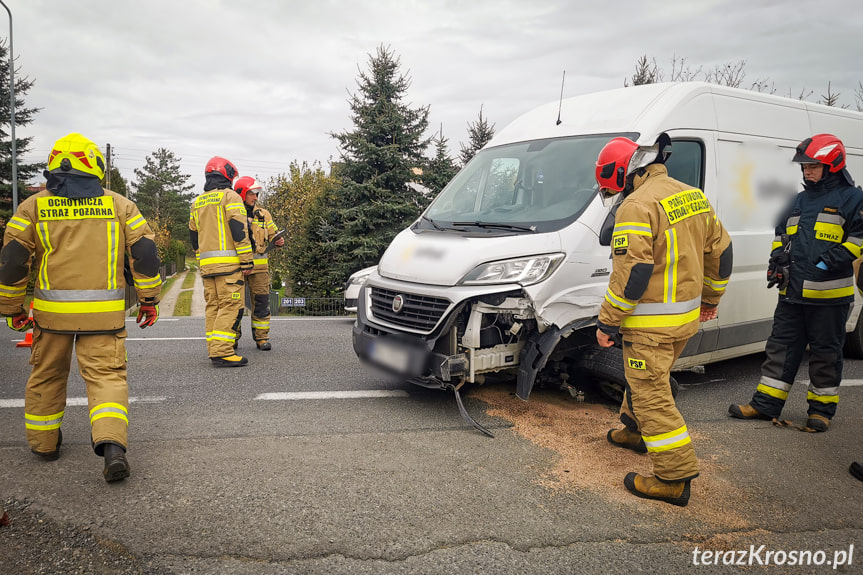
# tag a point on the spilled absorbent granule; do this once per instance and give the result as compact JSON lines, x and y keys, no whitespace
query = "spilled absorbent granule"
{"x":586,"y":460}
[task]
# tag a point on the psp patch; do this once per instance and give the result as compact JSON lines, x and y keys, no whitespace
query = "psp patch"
{"x":637,"y":363}
{"x":619,"y":244}
{"x":236,"y":295}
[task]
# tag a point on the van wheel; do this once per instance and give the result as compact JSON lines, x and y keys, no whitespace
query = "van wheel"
{"x":854,"y":341}
{"x":605,"y":366}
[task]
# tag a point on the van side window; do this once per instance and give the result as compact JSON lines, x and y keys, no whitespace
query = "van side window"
{"x":686,"y":163}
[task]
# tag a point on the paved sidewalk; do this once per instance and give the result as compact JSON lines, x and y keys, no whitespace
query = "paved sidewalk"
{"x":169,"y":298}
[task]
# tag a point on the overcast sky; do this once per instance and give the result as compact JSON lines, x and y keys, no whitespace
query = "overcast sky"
{"x":264,"y":82}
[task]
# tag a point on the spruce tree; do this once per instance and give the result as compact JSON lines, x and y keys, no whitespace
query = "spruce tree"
{"x":479,"y":133}
{"x":162,"y":194}
{"x":441,"y":168}
{"x":377,"y":159}
{"x":23,"y":117}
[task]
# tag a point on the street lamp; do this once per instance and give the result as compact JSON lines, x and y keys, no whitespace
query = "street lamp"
{"x":12,"y":115}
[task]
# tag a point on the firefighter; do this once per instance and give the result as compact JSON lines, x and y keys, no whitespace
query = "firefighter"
{"x":77,"y":234}
{"x":817,"y":238}
{"x":217,"y":225}
{"x":671,"y":260}
{"x":262,"y":230}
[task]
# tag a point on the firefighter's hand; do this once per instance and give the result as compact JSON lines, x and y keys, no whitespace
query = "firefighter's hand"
{"x":778,"y":276}
{"x":247,"y":267}
{"x":708,"y":312}
{"x":603,"y":339}
{"x":279,"y":242}
{"x":20,"y":322}
{"x":149,"y":313}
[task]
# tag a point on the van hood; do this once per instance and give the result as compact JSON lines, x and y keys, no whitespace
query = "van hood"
{"x":442,"y":258}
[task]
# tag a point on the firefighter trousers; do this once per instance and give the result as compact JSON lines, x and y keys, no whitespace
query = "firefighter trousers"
{"x":822,"y":328}
{"x":223,"y":312}
{"x":649,"y":409}
{"x":102,"y":364}
{"x":259,"y":292}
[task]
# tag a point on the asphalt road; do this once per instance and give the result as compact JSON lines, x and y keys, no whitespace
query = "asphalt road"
{"x":349,"y":471}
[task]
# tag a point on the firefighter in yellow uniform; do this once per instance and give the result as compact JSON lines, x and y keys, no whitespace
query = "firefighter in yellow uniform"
{"x":217,"y":225}
{"x":77,"y":234}
{"x":262,"y":229}
{"x":671,"y":260}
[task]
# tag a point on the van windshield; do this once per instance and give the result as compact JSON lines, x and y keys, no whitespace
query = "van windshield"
{"x":536,"y":186}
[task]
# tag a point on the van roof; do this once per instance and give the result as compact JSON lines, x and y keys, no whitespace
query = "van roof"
{"x":652,"y":108}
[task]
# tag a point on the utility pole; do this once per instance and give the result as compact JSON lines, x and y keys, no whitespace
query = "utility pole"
{"x":12,"y":114}
{"x":108,"y":172}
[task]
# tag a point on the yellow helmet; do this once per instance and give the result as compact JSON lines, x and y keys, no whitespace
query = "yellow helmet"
{"x":75,"y":154}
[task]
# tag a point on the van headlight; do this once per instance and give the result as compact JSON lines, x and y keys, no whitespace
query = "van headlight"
{"x":524,"y":271}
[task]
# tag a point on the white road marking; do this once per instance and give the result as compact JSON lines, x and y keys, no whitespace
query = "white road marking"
{"x":294,"y":395}
{"x":160,"y":338}
{"x":79,"y":401}
{"x":161,"y":319}
{"x":324,"y":318}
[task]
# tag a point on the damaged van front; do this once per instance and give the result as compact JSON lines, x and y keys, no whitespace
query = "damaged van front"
{"x":502,"y":265}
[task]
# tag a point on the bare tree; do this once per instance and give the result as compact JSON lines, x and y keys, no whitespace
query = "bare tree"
{"x":831,"y":98}
{"x":765,"y":86}
{"x":729,"y":74}
{"x":681,"y":72}
{"x":858,"y":96}
{"x":646,"y":72}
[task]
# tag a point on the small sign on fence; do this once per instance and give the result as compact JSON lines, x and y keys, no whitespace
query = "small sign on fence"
{"x":293,"y":302}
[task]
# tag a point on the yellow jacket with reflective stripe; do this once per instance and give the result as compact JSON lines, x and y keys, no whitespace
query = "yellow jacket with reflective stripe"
{"x":262,"y":228}
{"x":78,"y":248}
{"x":218,"y":252}
{"x":670,"y":253}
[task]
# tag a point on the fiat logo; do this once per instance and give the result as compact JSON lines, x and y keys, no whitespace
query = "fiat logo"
{"x":398,"y":303}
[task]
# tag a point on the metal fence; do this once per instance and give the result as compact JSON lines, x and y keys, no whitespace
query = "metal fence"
{"x":307,"y":306}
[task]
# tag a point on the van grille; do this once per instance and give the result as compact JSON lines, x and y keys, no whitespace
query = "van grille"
{"x":419,"y":312}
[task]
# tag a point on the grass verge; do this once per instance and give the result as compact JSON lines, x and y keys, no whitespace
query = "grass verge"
{"x":184,"y":303}
{"x":189,"y":280}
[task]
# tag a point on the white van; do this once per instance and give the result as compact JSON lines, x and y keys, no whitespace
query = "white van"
{"x":506,"y":270}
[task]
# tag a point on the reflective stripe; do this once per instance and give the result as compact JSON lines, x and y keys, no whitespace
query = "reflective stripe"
{"x":244,"y":249}
{"x":261,"y":325}
{"x":82,"y":295}
{"x":774,"y":387}
{"x":42,"y":231}
{"x":810,"y":396}
{"x":637,"y":321}
{"x":43,"y":422}
{"x":219,"y":257}
{"x":835,"y":219}
{"x":671,"y":257}
{"x":221,"y":336}
{"x":113,"y":240}
{"x":793,"y":221}
{"x":791,"y":230}
{"x":109,"y":410}
{"x":842,"y":287}
{"x":853,"y":246}
{"x":220,"y":215}
{"x":225,"y":260}
{"x":665,"y":441}
{"x":633,"y":228}
{"x":716,"y":285}
{"x":667,"y":308}
{"x":135,"y":222}
{"x":79,"y":307}
{"x":618,"y":302}
{"x":824,"y":390}
{"x":235,"y":206}
{"x":12,"y":291}
{"x":260,"y":261}
{"x":272,"y":225}
{"x":217,"y":253}
{"x":148,"y":282}
{"x":260,"y":256}
{"x":18,"y":223}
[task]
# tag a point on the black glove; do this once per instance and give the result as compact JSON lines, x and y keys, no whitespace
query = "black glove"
{"x":778,"y":270}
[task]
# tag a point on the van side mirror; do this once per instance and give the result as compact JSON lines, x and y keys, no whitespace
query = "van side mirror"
{"x":607,"y":229}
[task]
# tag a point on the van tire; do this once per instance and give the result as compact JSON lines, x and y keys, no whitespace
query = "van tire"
{"x":605,"y":366}
{"x":854,"y":341}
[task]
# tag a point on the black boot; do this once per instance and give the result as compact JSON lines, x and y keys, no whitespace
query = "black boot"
{"x":116,"y":465}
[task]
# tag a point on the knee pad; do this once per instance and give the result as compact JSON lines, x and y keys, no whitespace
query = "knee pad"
{"x":262,"y":305}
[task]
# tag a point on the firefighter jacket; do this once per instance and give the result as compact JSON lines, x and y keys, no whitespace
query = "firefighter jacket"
{"x":262,"y":229}
{"x":78,"y":248}
{"x":670,"y":254}
{"x":217,"y":225}
{"x":824,"y":223}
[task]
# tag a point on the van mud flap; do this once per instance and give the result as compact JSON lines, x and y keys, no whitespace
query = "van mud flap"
{"x":464,"y":412}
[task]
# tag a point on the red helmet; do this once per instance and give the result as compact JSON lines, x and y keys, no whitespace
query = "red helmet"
{"x":612,"y":165}
{"x":247,"y":184}
{"x":222,"y":166}
{"x":824,"y":149}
